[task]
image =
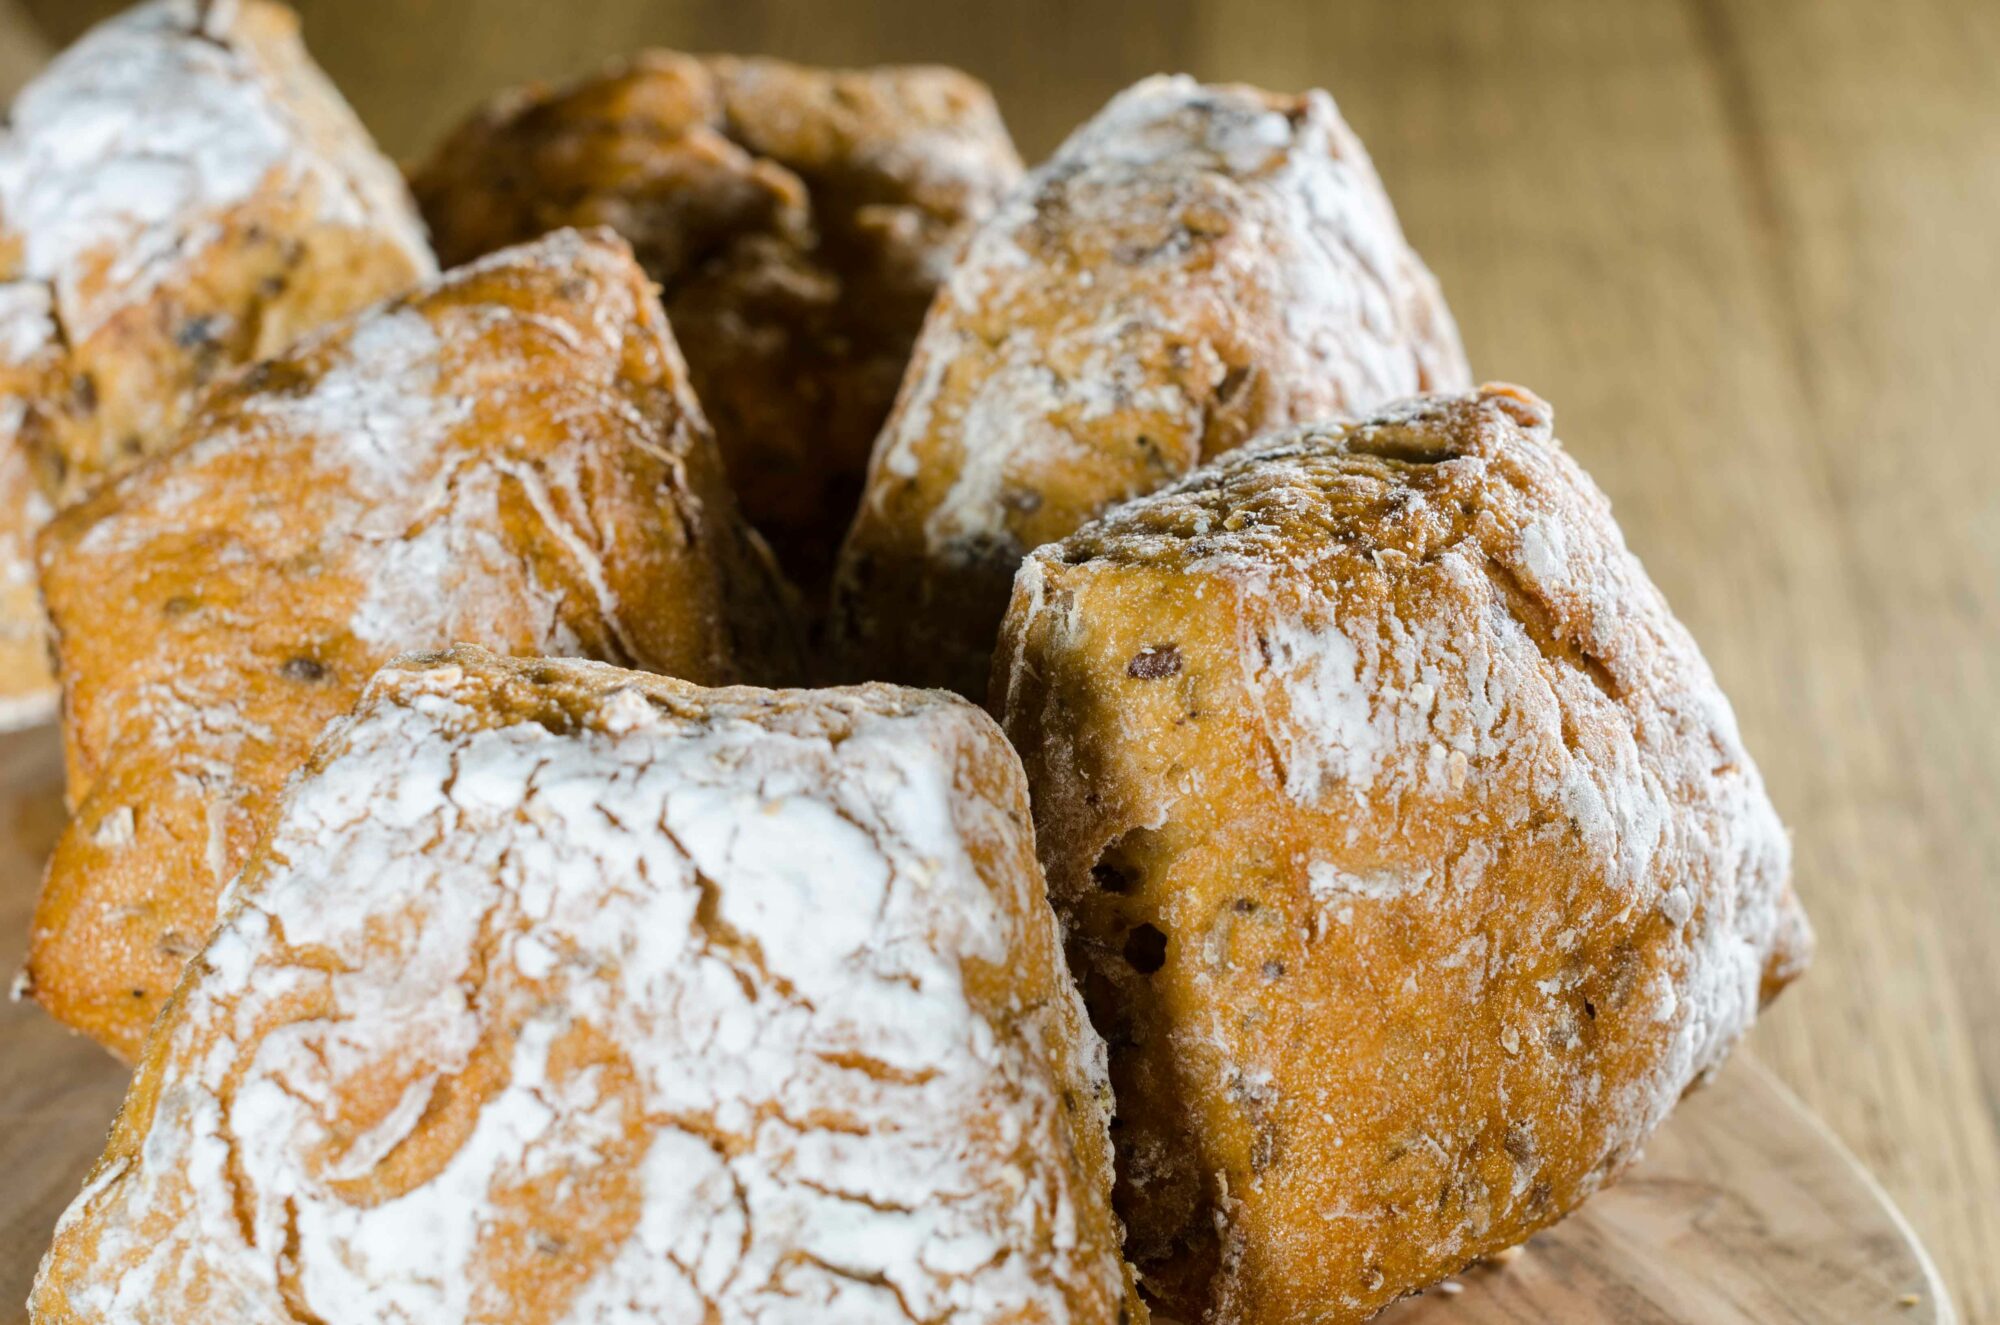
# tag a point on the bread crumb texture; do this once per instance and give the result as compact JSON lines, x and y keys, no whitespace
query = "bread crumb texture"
{"x":1196,"y":265}
{"x":1416,"y":887}
{"x":563,"y":993}
{"x":510,"y":457}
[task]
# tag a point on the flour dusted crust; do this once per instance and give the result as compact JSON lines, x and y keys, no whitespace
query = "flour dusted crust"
{"x":1194,"y":266}
{"x":180,"y":192}
{"x":1412,"y":862}
{"x":194,"y":195}
{"x":560,"y":993}
{"x":510,"y":457}
{"x":30,"y":370}
{"x":798,"y":220}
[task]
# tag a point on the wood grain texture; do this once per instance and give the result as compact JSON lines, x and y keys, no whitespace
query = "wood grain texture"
{"x":1744,"y":1210}
{"x":58,"y":1091}
{"x":1747,"y":248}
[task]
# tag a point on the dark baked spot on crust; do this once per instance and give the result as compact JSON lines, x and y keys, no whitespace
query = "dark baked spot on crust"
{"x":275,"y":377}
{"x":198,"y":333}
{"x":1154,"y":662}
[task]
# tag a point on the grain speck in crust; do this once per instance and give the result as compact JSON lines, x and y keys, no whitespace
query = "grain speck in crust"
{"x":1194,"y":266}
{"x":797,"y":219}
{"x":1410,"y":903}
{"x":510,"y":457}
{"x":181,"y":192}
{"x":559,"y":993}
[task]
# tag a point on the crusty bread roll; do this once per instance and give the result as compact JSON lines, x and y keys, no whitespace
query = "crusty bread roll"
{"x":1194,"y":266}
{"x":1412,"y":863}
{"x":509,"y":457}
{"x":798,"y":220}
{"x":181,"y":192}
{"x":559,"y":993}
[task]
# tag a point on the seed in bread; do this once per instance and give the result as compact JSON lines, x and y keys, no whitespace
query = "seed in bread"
{"x":509,"y":457}
{"x":560,"y":993}
{"x":1194,"y":266}
{"x":1412,"y":862}
{"x":798,"y":221}
{"x":181,"y":192}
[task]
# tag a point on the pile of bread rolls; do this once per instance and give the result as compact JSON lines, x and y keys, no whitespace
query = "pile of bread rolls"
{"x":506,"y":829}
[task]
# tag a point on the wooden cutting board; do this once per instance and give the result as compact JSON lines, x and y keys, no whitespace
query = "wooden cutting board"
{"x":1744,"y":1210}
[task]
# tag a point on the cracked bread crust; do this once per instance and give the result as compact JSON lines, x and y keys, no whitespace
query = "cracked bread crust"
{"x":1412,"y":863}
{"x":181,"y":192}
{"x":1196,"y":265}
{"x":510,"y":457}
{"x":559,"y":993}
{"x":797,"y":219}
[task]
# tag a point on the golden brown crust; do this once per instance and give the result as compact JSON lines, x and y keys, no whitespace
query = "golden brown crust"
{"x":797,"y":219}
{"x":181,"y":192}
{"x":1194,"y":266}
{"x":31,"y":369}
{"x":232,"y":203}
{"x":510,"y":457}
{"x":1412,"y":863}
{"x":560,"y":993}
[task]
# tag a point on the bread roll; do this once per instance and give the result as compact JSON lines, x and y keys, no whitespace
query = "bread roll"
{"x":181,"y":192}
{"x":1194,"y":266}
{"x":509,"y":457}
{"x":797,"y":219}
{"x":564,"y":994}
{"x":1412,"y":863}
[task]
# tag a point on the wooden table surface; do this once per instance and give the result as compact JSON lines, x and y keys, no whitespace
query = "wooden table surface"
{"x":1751,"y":251}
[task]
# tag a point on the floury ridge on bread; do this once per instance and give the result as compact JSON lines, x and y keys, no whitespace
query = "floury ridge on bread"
{"x":508,"y":457}
{"x":1194,"y":266}
{"x":560,"y":993}
{"x":1411,"y":860}
{"x":181,"y":192}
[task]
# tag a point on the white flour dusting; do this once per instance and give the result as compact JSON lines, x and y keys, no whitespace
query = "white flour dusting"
{"x":1477,"y":773}
{"x":1320,"y":255}
{"x":122,"y":154}
{"x":718,"y":954}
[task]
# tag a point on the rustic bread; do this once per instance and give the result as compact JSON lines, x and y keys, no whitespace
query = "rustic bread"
{"x":508,"y":457}
{"x":560,"y":993}
{"x":798,"y":221}
{"x":181,"y":192}
{"x":1194,"y":266}
{"x":1412,"y":864}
